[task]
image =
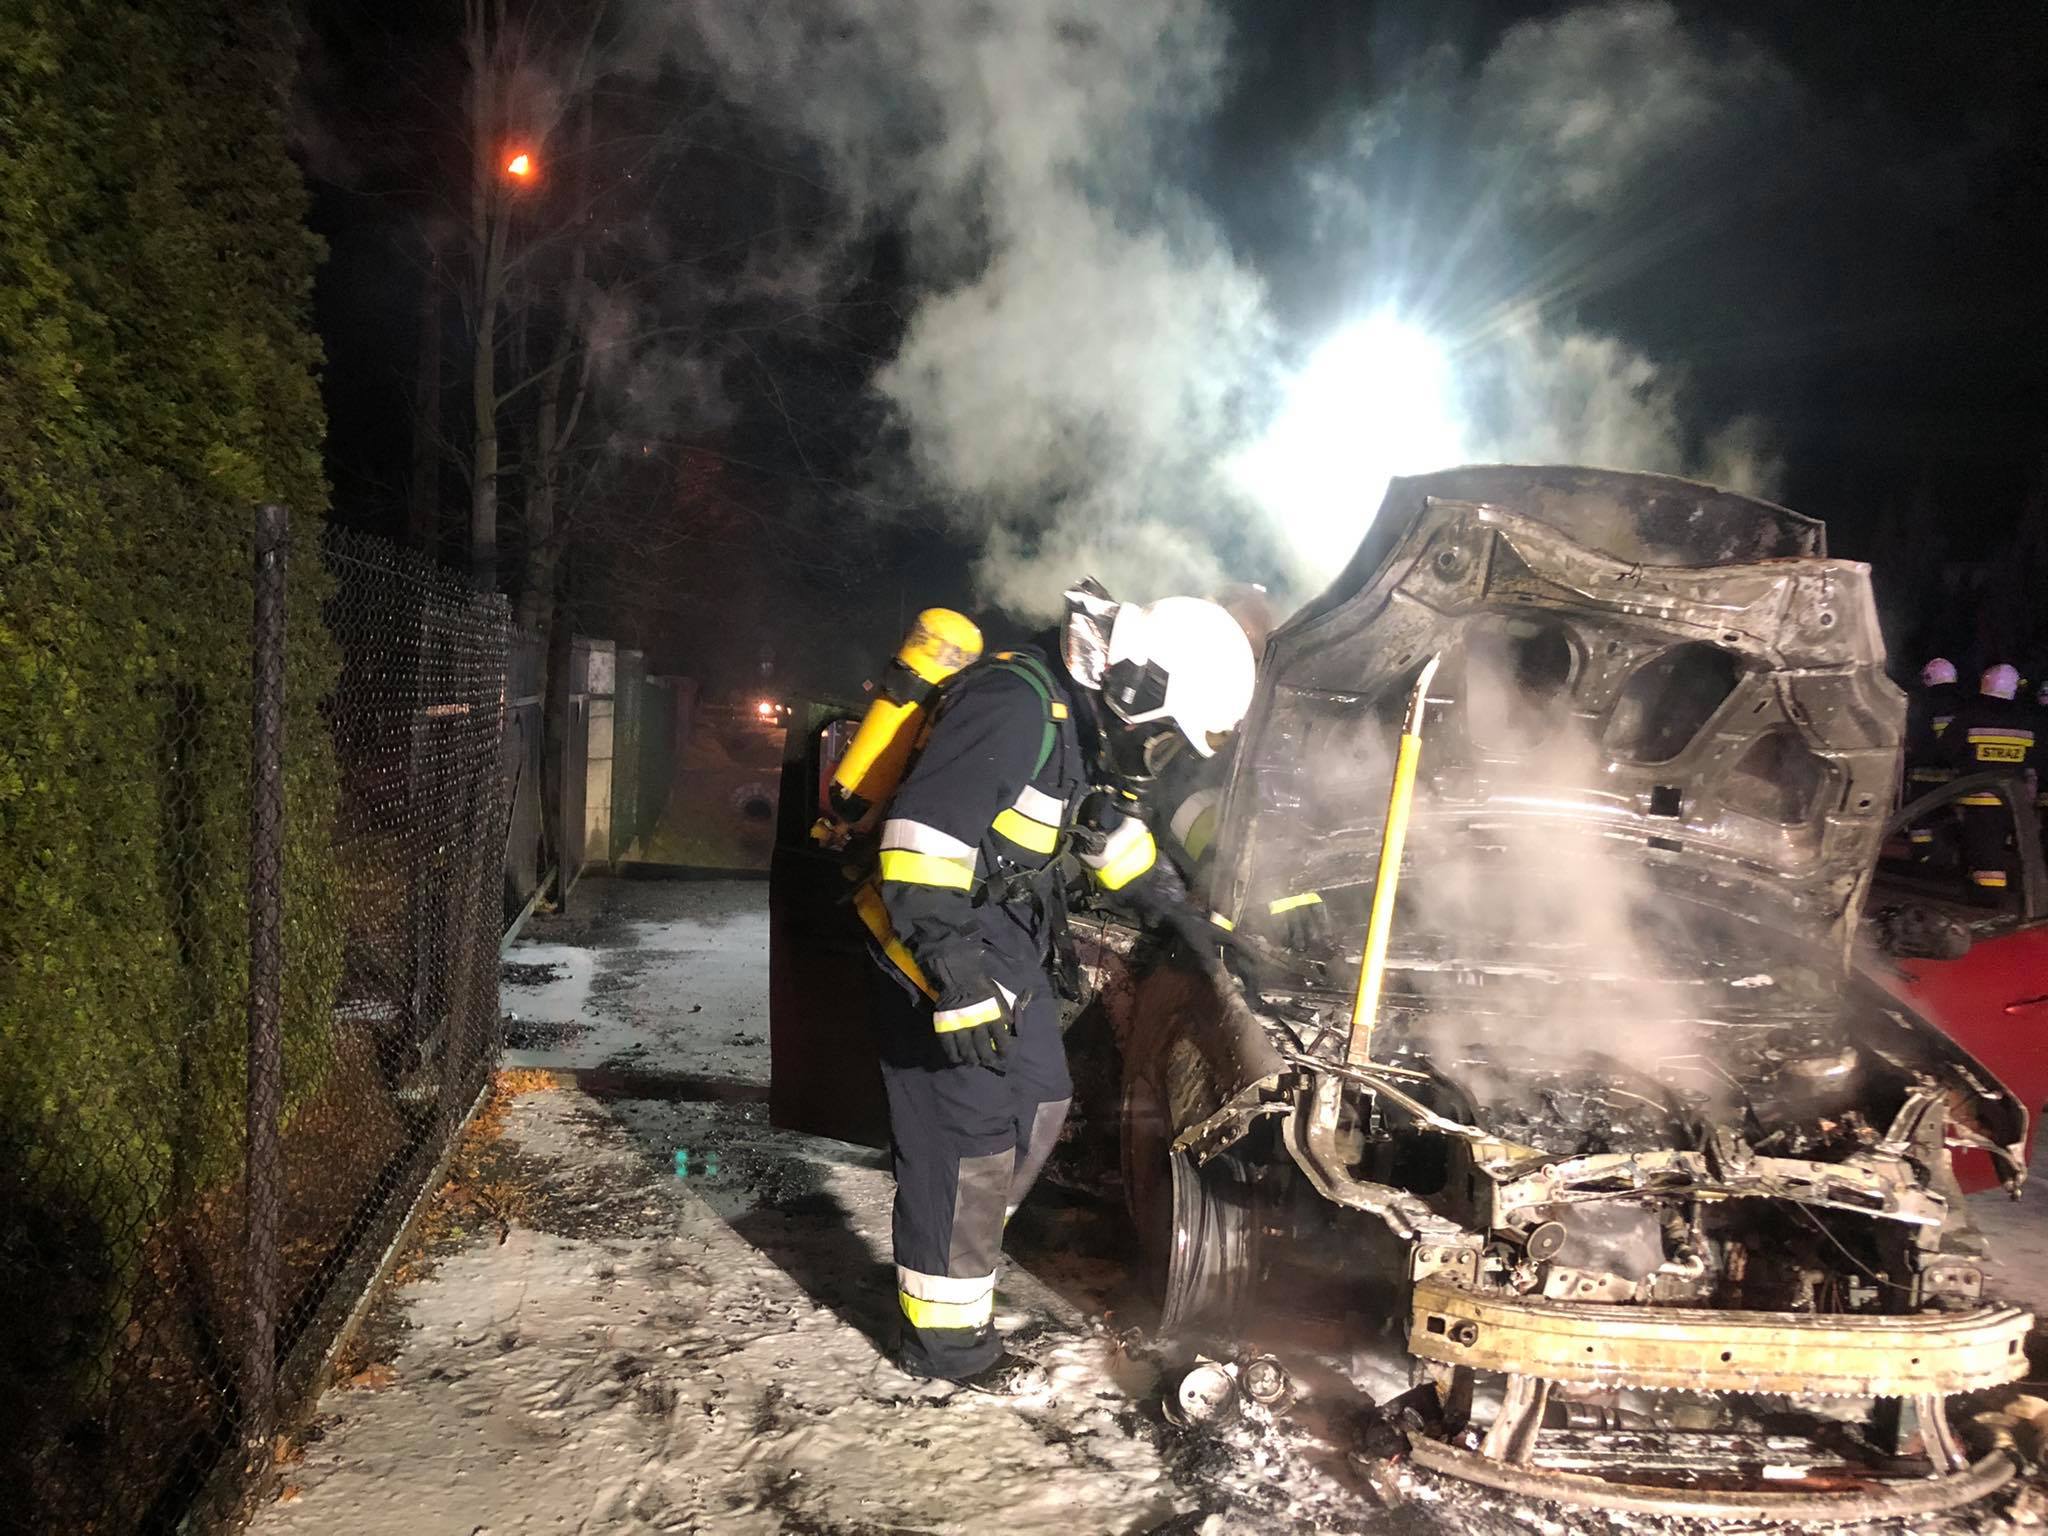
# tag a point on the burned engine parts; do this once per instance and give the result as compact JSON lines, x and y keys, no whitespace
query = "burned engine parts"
{"x":1624,"y":1116}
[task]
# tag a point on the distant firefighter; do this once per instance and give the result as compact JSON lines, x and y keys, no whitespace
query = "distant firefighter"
{"x":1928,"y":711}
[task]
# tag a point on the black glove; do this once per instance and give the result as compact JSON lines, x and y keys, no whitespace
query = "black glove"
{"x":1305,"y":925}
{"x":973,"y":1020}
{"x":1209,"y":935}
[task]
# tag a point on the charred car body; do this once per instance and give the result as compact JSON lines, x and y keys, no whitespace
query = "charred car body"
{"x":1627,"y":1118}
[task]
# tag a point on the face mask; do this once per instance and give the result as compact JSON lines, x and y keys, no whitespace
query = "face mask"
{"x":1131,"y":756}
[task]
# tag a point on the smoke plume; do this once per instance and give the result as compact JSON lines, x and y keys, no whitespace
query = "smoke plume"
{"x":1082,"y":342}
{"x":1090,"y":379}
{"x":1582,"y":110}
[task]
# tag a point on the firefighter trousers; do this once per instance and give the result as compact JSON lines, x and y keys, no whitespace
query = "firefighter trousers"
{"x":1987,"y":851}
{"x":967,"y":1145}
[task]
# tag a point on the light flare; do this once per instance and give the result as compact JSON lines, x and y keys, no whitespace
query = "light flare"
{"x":1378,"y":399}
{"x":520,"y":165}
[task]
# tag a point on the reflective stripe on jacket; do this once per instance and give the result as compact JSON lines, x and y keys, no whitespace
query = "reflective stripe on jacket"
{"x":988,"y":797}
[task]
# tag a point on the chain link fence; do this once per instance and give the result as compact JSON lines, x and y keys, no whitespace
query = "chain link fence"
{"x":193,"y":1201}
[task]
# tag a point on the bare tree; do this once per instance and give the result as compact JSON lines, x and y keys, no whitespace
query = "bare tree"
{"x":523,"y":66}
{"x":557,"y":419}
{"x":489,"y":47}
{"x":423,"y":508}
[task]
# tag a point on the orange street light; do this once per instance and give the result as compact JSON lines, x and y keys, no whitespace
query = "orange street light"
{"x":520,"y":165}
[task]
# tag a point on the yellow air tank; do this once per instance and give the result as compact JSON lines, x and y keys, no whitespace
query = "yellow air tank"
{"x":939,"y":644}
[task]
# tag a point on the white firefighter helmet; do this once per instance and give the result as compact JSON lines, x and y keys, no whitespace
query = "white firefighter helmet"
{"x":1183,"y":660}
{"x":2001,"y":681}
{"x":1939,"y":670}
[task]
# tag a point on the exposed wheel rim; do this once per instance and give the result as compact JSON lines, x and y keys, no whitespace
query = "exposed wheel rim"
{"x":1209,"y":1277}
{"x":1195,"y":1226}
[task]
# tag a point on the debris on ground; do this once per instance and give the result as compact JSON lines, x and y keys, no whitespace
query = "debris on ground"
{"x":480,"y":1192}
{"x":513,"y":973}
{"x":2020,"y":1425}
{"x":539,"y":1034}
{"x":1206,"y":1394}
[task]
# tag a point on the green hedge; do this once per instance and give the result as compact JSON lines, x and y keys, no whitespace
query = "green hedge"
{"x":156,"y":381}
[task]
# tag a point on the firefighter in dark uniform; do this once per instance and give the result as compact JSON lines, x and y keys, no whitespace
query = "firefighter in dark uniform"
{"x":1929,"y":709}
{"x":971,"y":1053}
{"x":1993,"y":732}
{"x":1184,"y":802}
{"x":1184,"y":798}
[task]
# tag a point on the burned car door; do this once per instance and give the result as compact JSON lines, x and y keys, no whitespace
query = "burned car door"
{"x":1978,"y":974}
{"x":824,"y":1078}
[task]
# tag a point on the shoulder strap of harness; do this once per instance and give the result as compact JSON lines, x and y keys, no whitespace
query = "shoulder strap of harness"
{"x":1039,"y":676}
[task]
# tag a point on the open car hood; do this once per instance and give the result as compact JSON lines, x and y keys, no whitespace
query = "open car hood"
{"x":1645,"y":683}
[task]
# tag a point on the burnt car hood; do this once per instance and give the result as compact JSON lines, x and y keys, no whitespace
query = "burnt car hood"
{"x":1648,"y":687}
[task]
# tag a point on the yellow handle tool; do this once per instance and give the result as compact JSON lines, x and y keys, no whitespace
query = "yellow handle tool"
{"x":1365,"y":1008}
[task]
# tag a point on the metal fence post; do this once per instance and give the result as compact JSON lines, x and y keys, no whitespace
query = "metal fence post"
{"x":266,"y":977}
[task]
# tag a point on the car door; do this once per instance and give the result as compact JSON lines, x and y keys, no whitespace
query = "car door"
{"x":1992,"y":999}
{"x":824,"y":1075}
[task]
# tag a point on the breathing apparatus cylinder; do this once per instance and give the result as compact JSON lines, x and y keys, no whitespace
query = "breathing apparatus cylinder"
{"x":939,"y":644}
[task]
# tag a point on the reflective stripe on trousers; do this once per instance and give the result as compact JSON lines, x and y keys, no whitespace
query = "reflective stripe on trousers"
{"x":940,"y":1301}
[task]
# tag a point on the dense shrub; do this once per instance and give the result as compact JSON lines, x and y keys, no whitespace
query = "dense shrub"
{"x":156,"y":381}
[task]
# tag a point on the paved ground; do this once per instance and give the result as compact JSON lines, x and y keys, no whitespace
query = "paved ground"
{"x":642,"y":1309}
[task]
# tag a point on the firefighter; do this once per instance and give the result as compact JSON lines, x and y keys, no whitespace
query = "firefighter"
{"x":1928,"y":711}
{"x":1184,"y":800}
{"x":972,"y":1059}
{"x":1993,"y":732}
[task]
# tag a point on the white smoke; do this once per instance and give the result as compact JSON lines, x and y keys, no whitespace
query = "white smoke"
{"x":1090,"y":381}
{"x":1083,"y":341}
{"x":1586,"y":108}
{"x":1574,"y":397}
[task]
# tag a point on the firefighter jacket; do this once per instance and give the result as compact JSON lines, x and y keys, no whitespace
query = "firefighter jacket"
{"x":966,"y":871}
{"x":1989,"y":734}
{"x":1928,"y":712}
{"x":970,"y":894}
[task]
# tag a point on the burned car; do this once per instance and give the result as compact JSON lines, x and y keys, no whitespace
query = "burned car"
{"x":1650,"y":1169}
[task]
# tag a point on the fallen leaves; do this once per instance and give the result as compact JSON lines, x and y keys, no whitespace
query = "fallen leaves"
{"x":473,"y":1189}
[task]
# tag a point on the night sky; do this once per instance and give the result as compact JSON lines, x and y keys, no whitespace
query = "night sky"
{"x":1873,"y":286}
{"x":1858,"y":264}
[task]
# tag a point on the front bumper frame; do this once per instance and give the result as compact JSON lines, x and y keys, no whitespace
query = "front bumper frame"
{"x":1534,"y":1342}
{"x":1696,"y":1349}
